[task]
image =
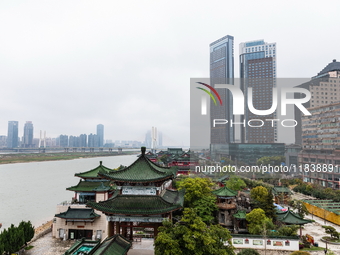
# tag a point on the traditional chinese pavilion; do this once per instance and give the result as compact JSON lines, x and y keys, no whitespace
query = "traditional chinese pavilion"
{"x":143,"y":198}
{"x":74,"y":220}
{"x":290,"y":218}
{"x":227,"y":205}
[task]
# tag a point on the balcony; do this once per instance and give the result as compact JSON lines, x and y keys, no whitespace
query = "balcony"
{"x":225,"y":206}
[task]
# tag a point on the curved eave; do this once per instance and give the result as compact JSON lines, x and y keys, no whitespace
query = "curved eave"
{"x":108,"y":177}
{"x":136,"y":213}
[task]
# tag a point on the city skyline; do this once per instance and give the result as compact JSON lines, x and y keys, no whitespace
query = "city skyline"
{"x":66,"y":64}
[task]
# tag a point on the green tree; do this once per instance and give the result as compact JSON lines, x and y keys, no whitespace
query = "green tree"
{"x":331,"y":231}
{"x":206,"y":207}
{"x":263,"y":198}
{"x":195,"y":189}
{"x":191,"y":236}
{"x":28,"y":230}
{"x":285,"y":230}
{"x":13,"y":239}
{"x":257,"y":219}
{"x":259,"y":194}
{"x":248,"y":251}
{"x":1,"y":245}
{"x":300,"y":207}
{"x":274,"y":160}
{"x":236,"y":183}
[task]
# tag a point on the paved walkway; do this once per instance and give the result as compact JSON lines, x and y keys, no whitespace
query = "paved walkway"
{"x":315,"y":229}
{"x":47,"y":245}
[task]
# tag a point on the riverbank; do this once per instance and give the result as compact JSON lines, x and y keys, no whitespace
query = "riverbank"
{"x":42,"y":230}
{"x":40,"y":157}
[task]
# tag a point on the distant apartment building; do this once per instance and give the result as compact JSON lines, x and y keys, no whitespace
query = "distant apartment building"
{"x":83,"y":140}
{"x":27,"y":141}
{"x":73,"y":141}
{"x":258,"y":72}
{"x":3,"y":141}
{"x":324,"y":89}
{"x":319,"y":160}
{"x":100,"y":134}
{"x":93,"y":140}
{"x":63,"y":141}
{"x":12,"y":135}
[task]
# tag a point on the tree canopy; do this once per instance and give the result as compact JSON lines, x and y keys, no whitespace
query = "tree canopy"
{"x":191,"y":236}
{"x":235,"y":183}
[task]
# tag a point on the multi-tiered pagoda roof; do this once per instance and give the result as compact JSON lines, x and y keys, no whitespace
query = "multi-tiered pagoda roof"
{"x":141,"y":204}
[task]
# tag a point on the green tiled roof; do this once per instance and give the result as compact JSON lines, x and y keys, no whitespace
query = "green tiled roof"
{"x":114,"y":245}
{"x":142,"y":170}
{"x":225,"y":192}
{"x":141,"y":204}
{"x":80,"y":243}
{"x":78,"y":214}
{"x":280,"y":189}
{"x":240,"y":214}
{"x":93,"y":173}
{"x":289,"y":217}
{"x":87,"y":186}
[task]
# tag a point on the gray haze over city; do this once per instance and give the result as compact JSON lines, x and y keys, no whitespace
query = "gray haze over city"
{"x":70,"y":65}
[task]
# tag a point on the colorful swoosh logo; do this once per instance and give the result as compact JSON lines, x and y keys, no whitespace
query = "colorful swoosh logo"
{"x":209,"y":93}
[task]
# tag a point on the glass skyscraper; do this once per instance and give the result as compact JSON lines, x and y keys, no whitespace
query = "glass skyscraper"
{"x":100,"y":135}
{"x":28,"y":135}
{"x":222,"y":72}
{"x":12,"y":135}
{"x":258,"y":71}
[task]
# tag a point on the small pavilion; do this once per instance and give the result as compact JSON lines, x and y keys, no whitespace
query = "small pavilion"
{"x":290,"y":218}
{"x":226,"y":203}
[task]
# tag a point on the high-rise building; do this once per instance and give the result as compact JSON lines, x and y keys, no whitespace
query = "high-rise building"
{"x":93,"y":140}
{"x":28,"y":135}
{"x":63,"y":140}
{"x":222,"y":72}
{"x":324,"y":89}
{"x":83,"y":140}
{"x":148,"y":139}
{"x":258,"y":71}
{"x":100,"y":134}
{"x":12,"y":135}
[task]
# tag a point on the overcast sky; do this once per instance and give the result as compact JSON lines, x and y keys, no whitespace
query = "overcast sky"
{"x":70,"y":65}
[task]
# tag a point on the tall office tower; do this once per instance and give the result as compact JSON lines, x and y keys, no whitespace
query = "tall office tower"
{"x":28,"y":135}
{"x":100,"y":134}
{"x":222,"y":72}
{"x":324,"y":89}
{"x":160,"y":139}
{"x":148,"y":139}
{"x":258,"y":71}
{"x":12,"y":135}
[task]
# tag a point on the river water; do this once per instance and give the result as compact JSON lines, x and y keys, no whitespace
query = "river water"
{"x":31,"y":191}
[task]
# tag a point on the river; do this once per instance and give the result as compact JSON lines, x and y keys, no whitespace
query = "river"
{"x":31,"y":191}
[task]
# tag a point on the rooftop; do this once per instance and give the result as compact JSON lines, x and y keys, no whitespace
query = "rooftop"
{"x":333,"y":66}
{"x":93,"y":173}
{"x":141,"y":204}
{"x":142,"y":170}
